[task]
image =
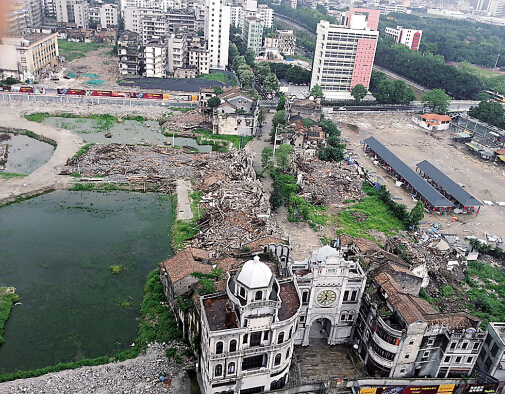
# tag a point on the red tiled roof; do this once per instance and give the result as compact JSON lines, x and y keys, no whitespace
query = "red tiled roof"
{"x":437,"y":117}
{"x":183,"y":264}
{"x":258,"y":244}
{"x":290,"y":300}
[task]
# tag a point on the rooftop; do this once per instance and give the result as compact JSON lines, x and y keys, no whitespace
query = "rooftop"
{"x":220,"y":314}
{"x":436,"y":117}
{"x":410,"y":176}
{"x":290,"y":300}
{"x":254,"y":274}
{"x":258,"y":244}
{"x":184,"y":264}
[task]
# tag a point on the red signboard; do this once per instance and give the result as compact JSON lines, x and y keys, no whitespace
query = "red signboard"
{"x":5,"y":88}
{"x":25,"y":89}
{"x":476,"y":388}
{"x":102,"y":93}
{"x":155,"y":96}
{"x":77,"y":92}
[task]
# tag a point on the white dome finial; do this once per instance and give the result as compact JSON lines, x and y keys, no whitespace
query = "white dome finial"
{"x":256,"y":259}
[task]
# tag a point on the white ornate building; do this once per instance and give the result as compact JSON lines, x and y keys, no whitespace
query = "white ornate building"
{"x":331,"y":290}
{"x":248,"y":332}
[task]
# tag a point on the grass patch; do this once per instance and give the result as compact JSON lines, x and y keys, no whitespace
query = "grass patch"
{"x":9,"y":175}
{"x":7,"y":301}
{"x":219,"y":76}
{"x":371,"y":213}
{"x":82,"y":187}
{"x":37,"y":117}
{"x":116,"y":268}
{"x":237,"y":140}
{"x":75,"y":50}
{"x":75,"y":175}
{"x":82,"y":150}
{"x":488,"y":291}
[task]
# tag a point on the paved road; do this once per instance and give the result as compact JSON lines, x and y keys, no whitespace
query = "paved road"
{"x":45,"y":177}
{"x":183,"y":201}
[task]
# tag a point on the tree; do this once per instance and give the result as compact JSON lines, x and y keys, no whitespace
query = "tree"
{"x":250,"y":54}
{"x":232,"y":53}
{"x":283,"y":156}
{"x":317,"y":92}
{"x":282,"y":102}
{"x":262,"y":115}
{"x":214,"y":102}
{"x":246,"y":77}
{"x":376,"y":78}
{"x":262,"y":71}
{"x":490,"y":112}
{"x":266,"y":155}
{"x":271,"y":83}
{"x":238,"y":61}
{"x":416,"y":214}
{"x":359,"y":92}
{"x":200,"y":33}
{"x":218,"y":90}
{"x":394,"y":92}
{"x":331,"y":153}
{"x":279,"y":118}
{"x":329,"y":127}
{"x":437,"y":101}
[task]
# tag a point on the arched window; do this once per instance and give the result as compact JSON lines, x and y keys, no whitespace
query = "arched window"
{"x":287,"y":354}
{"x":277,"y":360}
{"x":231,"y":368}
{"x":290,"y":332}
{"x":258,"y":296}
{"x":280,"y":338}
{"x":219,"y":347}
{"x":218,"y":371}
{"x":305,"y":296}
{"x":233,"y":345}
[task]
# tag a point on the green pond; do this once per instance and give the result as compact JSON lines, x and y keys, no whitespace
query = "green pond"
{"x":26,"y":154}
{"x":57,"y":249}
{"x":128,"y":132}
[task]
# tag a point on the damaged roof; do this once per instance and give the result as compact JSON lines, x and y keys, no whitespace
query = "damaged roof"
{"x":185,"y":263}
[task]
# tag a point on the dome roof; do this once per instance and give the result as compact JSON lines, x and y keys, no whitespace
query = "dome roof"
{"x":255,"y":274}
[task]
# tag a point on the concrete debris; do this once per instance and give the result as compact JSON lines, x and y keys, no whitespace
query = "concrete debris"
{"x":188,"y":121}
{"x":328,"y":183}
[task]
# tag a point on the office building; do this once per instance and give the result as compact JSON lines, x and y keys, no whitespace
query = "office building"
{"x":344,"y":55}
{"x":408,"y":37}
{"x":252,"y":33}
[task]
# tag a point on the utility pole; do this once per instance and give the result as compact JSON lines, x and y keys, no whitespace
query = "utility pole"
{"x":497,"y":57}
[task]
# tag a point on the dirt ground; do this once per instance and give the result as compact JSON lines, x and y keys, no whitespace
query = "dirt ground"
{"x":100,"y":62}
{"x":485,"y":181}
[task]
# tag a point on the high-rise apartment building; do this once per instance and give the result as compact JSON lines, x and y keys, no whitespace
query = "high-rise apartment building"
{"x":73,"y":11}
{"x":344,"y":55}
{"x":106,"y":15}
{"x":266,"y":14}
{"x":408,"y":37}
{"x":252,"y":33}
{"x":217,"y":32}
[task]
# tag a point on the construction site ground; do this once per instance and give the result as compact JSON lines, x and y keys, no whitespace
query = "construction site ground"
{"x":412,"y":144}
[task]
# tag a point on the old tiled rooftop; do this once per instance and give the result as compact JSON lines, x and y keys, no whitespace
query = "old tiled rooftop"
{"x":363,"y":244}
{"x":290,"y":300}
{"x":184,"y":264}
{"x":259,"y":244}
{"x":220,"y":314}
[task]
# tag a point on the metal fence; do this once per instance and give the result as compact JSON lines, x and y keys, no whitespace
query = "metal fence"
{"x":68,"y":99}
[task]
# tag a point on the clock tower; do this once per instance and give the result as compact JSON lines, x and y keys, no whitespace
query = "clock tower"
{"x":331,"y":289}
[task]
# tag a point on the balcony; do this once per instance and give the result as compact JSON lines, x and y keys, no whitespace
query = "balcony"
{"x":383,"y":344}
{"x":387,"y":327}
{"x":380,"y":360}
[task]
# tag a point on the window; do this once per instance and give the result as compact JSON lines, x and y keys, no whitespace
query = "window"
{"x":231,"y":368}
{"x":407,"y":355}
{"x":458,"y":359}
{"x":290,"y":333}
{"x":411,"y":342}
{"x":447,"y":359}
{"x":255,"y":339}
{"x":464,"y":346}
{"x":305,"y":297}
{"x":431,"y":341}
{"x":265,"y":335}
{"x":402,"y":370}
{"x":469,"y":360}
{"x":242,"y":292}
{"x":258,"y":296}
{"x":280,"y":338}
{"x":219,"y":347}
{"x":494,"y":350}
{"x":218,"y":371}
{"x":287,"y":354}
{"x":302,"y":319}
{"x":453,"y":346}
{"x":233,"y":345}
{"x":277,"y":360}
{"x":476,"y":345}
{"x":346,"y":295}
{"x":245,"y":339}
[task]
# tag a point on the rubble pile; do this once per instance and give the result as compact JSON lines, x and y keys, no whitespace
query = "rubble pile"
{"x":188,"y":121}
{"x":237,"y":210}
{"x":328,"y":183}
{"x":236,"y":207}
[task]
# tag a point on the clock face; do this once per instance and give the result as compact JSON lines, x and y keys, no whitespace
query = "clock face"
{"x":326,"y":297}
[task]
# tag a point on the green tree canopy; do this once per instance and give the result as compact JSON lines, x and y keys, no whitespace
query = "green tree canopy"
{"x":317,"y":92}
{"x":359,"y":92}
{"x":283,"y":156}
{"x":238,"y":61}
{"x":232,"y":53}
{"x":271,"y":83}
{"x":279,"y":118}
{"x":394,"y":92}
{"x":329,"y":127}
{"x":267,"y":154}
{"x":375,"y":80}
{"x":437,"y":101}
{"x":262,"y":70}
{"x":214,"y":102}
{"x":250,"y":54}
{"x":490,"y":112}
{"x":218,"y":90}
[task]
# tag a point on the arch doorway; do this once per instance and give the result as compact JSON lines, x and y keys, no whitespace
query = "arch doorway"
{"x":320,"y":328}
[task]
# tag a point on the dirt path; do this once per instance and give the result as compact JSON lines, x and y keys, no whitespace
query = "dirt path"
{"x":45,"y":177}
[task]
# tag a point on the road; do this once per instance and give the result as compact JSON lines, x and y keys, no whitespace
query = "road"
{"x":416,"y":106}
{"x":293,"y":25}
{"x":396,"y":76}
{"x":45,"y":177}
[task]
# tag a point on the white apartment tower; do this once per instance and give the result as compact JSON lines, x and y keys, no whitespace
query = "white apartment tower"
{"x":344,"y":56}
{"x":217,"y":32}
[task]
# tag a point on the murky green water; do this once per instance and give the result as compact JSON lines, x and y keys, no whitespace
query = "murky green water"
{"x":26,"y":154}
{"x":56,"y":250}
{"x":128,"y":132}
